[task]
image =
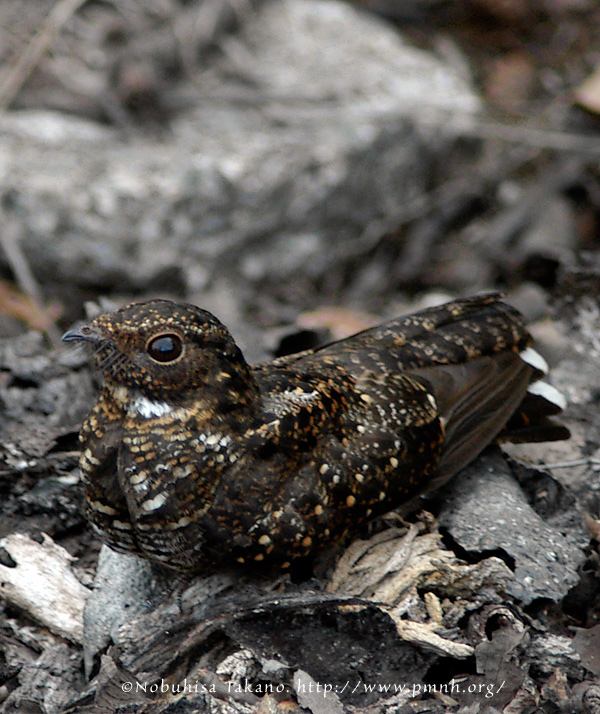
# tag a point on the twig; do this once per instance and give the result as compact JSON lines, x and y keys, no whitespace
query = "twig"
{"x":11,"y":244}
{"x":305,"y":109}
{"x":30,"y":57}
{"x":569,"y":464}
{"x":526,"y":135}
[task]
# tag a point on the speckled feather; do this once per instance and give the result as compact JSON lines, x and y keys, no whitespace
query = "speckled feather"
{"x":202,"y":461}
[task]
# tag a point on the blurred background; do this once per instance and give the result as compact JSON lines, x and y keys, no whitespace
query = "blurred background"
{"x":301,"y":168}
{"x":304,"y":169}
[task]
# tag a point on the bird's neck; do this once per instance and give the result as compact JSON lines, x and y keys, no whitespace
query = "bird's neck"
{"x":228,"y":399}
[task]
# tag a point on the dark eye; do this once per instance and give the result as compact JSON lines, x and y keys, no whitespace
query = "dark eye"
{"x":164,"y":348}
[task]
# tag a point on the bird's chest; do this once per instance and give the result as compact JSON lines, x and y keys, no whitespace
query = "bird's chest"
{"x":168,"y":467}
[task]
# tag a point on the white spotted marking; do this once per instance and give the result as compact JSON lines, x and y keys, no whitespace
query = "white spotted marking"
{"x":138,"y":478}
{"x":181,"y":523}
{"x":152,"y":504}
{"x":299,"y":395}
{"x":359,"y":477}
{"x":182,"y":471}
{"x":336,"y":478}
{"x":121,"y":394}
{"x":92,"y":459}
{"x":394,"y":462}
{"x":213,"y":442}
{"x":120,"y":525}
{"x":103,"y":508}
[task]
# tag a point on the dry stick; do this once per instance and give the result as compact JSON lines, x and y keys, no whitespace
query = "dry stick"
{"x":302,"y":108}
{"x":10,"y":241}
{"x":550,"y":139}
{"x":569,"y":464}
{"x":30,"y":57}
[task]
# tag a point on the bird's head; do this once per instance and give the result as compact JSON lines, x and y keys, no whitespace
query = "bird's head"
{"x":166,"y":351}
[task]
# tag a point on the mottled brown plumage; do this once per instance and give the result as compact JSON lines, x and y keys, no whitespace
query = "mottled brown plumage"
{"x":194,"y":459}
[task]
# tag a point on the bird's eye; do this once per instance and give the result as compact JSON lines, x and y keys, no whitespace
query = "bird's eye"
{"x":164,"y":348}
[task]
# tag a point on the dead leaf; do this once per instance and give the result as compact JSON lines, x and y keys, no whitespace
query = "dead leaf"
{"x":341,"y":322}
{"x":25,"y":309}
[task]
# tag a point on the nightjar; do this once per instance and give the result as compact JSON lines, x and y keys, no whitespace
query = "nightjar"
{"x":196,"y":460}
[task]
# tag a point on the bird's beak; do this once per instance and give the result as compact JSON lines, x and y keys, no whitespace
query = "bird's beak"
{"x":81,"y":333}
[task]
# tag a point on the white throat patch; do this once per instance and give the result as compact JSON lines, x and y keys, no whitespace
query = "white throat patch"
{"x":147,"y":408}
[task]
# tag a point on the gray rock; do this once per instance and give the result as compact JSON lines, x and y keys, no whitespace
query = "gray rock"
{"x":315,"y":135}
{"x":125,"y":586}
{"x":486,"y":510}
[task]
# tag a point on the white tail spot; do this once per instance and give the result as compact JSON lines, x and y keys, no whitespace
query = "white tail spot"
{"x":548,"y":392}
{"x":535,"y":359}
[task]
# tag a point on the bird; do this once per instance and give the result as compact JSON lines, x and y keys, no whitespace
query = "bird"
{"x":198,"y":461}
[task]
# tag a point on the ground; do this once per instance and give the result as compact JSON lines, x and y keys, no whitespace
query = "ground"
{"x":302,"y":169}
